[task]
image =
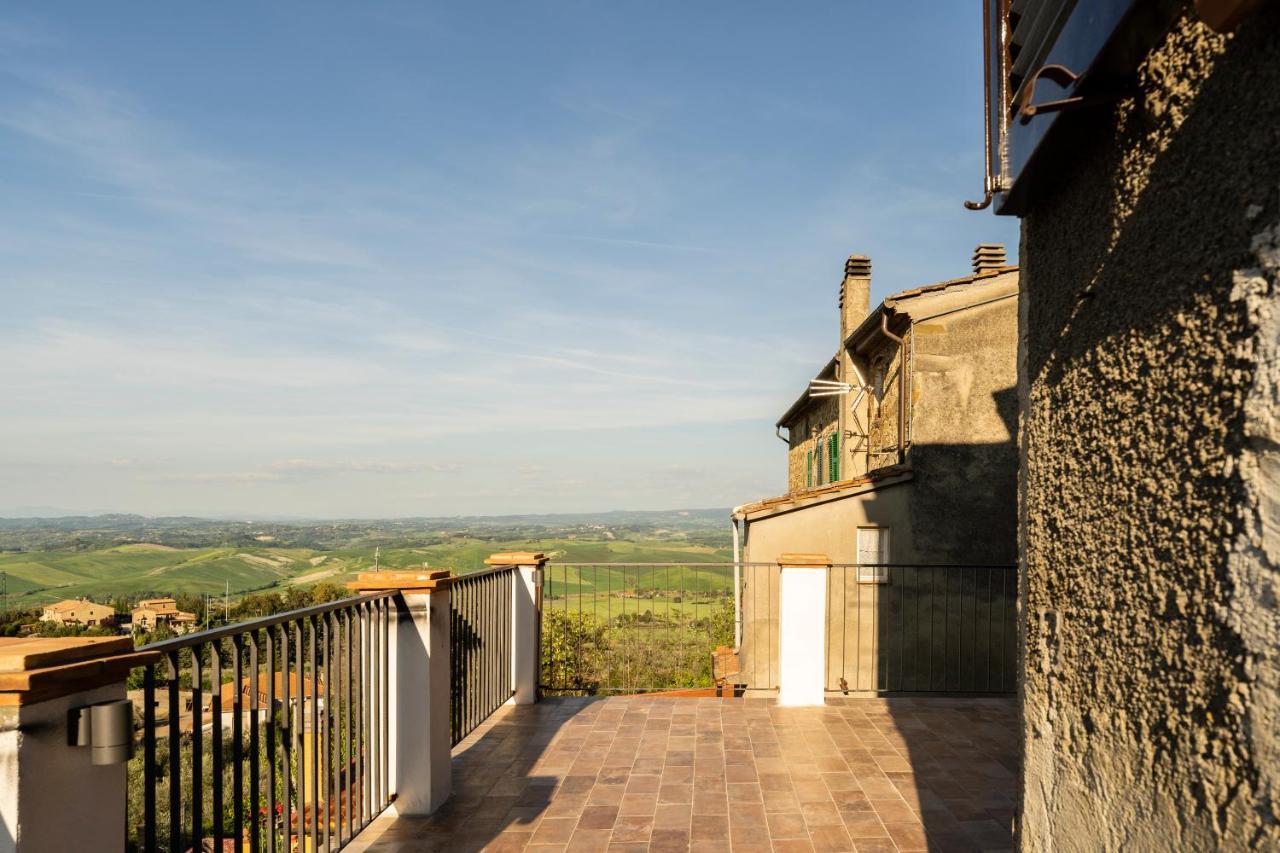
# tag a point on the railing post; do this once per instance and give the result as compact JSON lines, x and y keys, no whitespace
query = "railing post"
{"x":419,"y":745}
{"x":802,"y":629}
{"x":55,"y":795}
{"x":526,"y":622}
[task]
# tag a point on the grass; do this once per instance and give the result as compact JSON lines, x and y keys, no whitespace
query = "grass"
{"x":34,"y":578}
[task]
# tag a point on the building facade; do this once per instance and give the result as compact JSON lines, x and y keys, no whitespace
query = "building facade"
{"x":902,"y":452}
{"x":79,"y":612}
{"x":153,"y":612}
{"x":902,"y":448}
{"x":1149,"y":385}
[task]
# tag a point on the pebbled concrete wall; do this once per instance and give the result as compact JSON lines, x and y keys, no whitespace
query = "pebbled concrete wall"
{"x":1149,"y":382}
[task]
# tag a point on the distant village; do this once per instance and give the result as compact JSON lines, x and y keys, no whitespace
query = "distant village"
{"x":147,"y":616}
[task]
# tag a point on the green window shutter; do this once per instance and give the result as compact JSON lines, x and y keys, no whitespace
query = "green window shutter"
{"x":808,"y":482}
{"x":833,"y":457}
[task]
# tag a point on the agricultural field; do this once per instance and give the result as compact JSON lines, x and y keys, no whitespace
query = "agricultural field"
{"x":90,"y":567}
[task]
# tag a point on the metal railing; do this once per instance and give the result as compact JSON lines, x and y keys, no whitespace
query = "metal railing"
{"x":633,"y":627}
{"x":922,"y":628}
{"x":311,"y":687}
{"x":480,"y":678}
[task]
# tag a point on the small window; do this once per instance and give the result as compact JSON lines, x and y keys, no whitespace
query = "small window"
{"x":873,"y":554}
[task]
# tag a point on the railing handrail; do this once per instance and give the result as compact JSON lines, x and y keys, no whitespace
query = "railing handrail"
{"x":491,"y":570}
{"x":774,"y":564}
{"x":236,"y":628}
{"x":691,"y":564}
{"x":924,"y":565}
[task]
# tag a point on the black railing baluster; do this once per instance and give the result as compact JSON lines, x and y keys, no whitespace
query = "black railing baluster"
{"x":296,"y":735}
{"x":197,"y":752}
{"x":362,"y":725}
{"x":270,"y":740}
{"x":332,"y":708}
{"x":175,"y":757}
{"x":255,"y":791}
{"x":215,"y":737}
{"x":348,"y":774}
{"x":311,"y":737}
{"x":149,"y":759}
{"x":237,"y":742}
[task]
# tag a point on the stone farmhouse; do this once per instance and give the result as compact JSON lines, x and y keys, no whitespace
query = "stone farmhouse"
{"x":79,"y":612}
{"x":152,"y":612}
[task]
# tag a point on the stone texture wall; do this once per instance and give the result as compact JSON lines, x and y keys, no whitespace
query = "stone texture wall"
{"x":822,"y":416}
{"x":1148,"y":387}
{"x":963,"y":418}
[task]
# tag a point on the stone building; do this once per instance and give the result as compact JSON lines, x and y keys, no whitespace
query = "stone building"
{"x":903,"y":465}
{"x":1149,"y":378}
{"x":152,"y":612}
{"x":902,"y":449}
{"x":80,"y":612}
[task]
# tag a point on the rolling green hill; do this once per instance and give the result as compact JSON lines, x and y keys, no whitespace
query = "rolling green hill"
{"x":138,"y":569}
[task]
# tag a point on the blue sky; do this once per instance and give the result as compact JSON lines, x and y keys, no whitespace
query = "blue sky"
{"x":406,"y":259}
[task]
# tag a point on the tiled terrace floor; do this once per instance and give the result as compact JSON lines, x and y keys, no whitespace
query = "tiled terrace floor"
{"x":643,"y":773}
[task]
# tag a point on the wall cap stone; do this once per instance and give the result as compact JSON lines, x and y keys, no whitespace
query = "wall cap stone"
{"x":37,"y":669}
{"x":517,"y":558}
{"x":420,"y":581}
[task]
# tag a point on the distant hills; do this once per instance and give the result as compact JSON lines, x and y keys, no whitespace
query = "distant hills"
{"x":45,"y":559}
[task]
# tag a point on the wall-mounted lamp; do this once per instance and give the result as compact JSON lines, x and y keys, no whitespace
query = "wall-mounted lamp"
{"x":106,"y":728}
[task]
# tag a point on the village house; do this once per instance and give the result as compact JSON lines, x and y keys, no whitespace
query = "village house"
{"x":883,"y":463}
{"x":902,"y":471}
{"x":267,"y":700}
{"x":153,"y":612}
{"x":79,"y":612}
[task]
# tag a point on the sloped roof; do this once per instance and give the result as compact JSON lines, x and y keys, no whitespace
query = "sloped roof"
{"x":872,"y":322}
{"x":831,"y":491}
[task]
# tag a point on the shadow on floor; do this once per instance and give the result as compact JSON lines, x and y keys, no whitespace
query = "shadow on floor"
{"x":742,"y":775}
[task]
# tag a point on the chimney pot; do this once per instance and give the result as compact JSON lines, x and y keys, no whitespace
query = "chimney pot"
{"x":988,"y":257}
{"x":855,"y":294}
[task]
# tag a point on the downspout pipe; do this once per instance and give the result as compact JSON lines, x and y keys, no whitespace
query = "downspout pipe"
{"x":778,"y":432}
{"x":902,"y":385}
{"x":737,"y":586}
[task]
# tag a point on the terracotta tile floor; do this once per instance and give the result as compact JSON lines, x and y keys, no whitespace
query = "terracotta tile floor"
{"x":646,"y":773}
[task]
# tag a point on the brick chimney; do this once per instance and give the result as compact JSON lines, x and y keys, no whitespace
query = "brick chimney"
{"x":855,"y":294}
{"x":988,"y":257}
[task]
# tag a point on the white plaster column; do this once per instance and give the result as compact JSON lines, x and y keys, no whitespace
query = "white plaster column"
{"x":52,"y":795}
{"x":802,"y":628}
{"x":526,"y":623}
{"x":419,"y":745}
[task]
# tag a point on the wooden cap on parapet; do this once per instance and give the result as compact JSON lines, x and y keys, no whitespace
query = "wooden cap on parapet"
{"x":422,"y":581}
{"x":804,"y":561}
{"x":516,"y":558}
{"x":37,"y":669}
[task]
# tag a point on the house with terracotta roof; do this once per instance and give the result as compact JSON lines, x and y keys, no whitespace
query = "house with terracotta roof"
{"x":902,"y":450}
{"x":153,"y":612}
{"x":79,"y":611}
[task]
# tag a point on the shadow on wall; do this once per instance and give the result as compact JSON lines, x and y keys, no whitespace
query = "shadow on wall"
{"x":964,"y":499}
{"x":1147,"y":338}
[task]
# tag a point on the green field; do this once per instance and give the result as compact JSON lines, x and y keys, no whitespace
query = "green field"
{"x":38,"y":577}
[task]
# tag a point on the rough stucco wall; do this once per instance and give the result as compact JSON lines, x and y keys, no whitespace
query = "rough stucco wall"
{"x":1148,"y":496}
{"x":963,"y":416}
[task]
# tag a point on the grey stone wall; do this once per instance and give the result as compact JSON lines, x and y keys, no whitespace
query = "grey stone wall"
{"x":1148,"y":478}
